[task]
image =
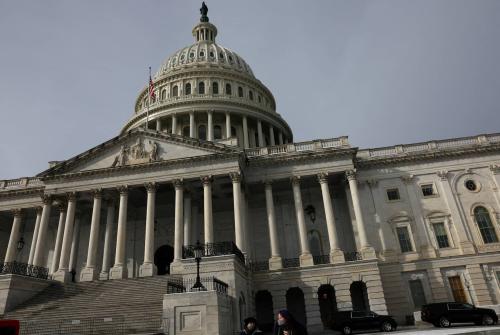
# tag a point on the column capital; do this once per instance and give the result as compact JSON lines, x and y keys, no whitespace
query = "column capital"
{"x":123,"y":189}
{"x":206,"y":180}
{"x":295,"y":180}
{"x":372,"y":182}
{"x":39,"y":210}
{"x":268,"y":183}
{"x":151,"y":187}
{"x":96,"y":192}
{"x":178,"y":184}
{"x":322,"y":177}
{"x":443,"y":174}
{"x":495,"y":168}
{"x":235,"y":177}
{"x":17,"y":212}
{"x":350,"y":174}
{"x":46,"y":199}
{"x":62,"y":206}
{"x":407,"y":179}
{"x":70,"y":196}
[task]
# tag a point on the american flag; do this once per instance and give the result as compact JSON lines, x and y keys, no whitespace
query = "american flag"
{"x":151,"y":87}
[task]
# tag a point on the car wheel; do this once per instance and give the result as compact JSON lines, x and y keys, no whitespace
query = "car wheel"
{"x":387,"y":326}
{"x":487,"y":320}
{"x":347,"y":330}
{"x":444,"y":322}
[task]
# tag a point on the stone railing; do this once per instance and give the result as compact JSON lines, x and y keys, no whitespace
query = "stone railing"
{"x":352,"y":256}
{"x":257,"y":266}
{"x":215,"y":249}
{"x":431,"y":146}
{"x":317,"y":145}
{"x":14,"y":184}
{"x":208,"y":284}
{"x":23,"y":269}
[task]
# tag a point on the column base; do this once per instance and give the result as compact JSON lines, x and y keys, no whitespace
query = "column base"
{"x":275,"y":263}
{"x":468,"y":248}
{"x":176,"y":267}
{"x":368,"y":253}
{"x":147,"y":270}
{"x":118,"y":272}
{"x":89,"y":274}
{"x":427,"y":251}
{"x":389,"y":255}
{"x":337,"y":256}
{"x":63,"y":276}
{"x":104,"y":275}
{"x":306,"y":260}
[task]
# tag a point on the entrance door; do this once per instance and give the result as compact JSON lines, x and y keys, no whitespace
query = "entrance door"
{"x":457,"y":289}
{"x":164,"y":255}
{"x":264,"y":310}
{"x":296,"y":305}
{"x":327,"y":304}
{"x":359,"y":296}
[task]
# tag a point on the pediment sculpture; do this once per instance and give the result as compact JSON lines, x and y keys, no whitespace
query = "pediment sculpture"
{"x":137,"y":154}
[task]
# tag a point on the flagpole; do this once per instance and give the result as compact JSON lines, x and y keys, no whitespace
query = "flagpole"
{"x":149,"y":99}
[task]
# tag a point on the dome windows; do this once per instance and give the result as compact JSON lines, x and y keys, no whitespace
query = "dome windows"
{"x":212,"y":55}
{"x":228,"y":89}
{"x":163,"y":94}
{"x":201,"y":88}
{"x":217,"y":132}
{"x":175,"y":91}
{"x":202,"y":132}
{"x":187,"y":89}
{"x":240,"y":91}
{"x":471,"y":185}
{"x":230,"y":59}
{"x":215,"y":87}
{"x":250,"y":95}
{"x":202,"y":53}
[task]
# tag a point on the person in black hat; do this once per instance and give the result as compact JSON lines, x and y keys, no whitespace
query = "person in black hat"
{"x":250,"y":327}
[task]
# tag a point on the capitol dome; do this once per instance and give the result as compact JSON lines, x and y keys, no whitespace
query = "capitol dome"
{"x":209,"y":92}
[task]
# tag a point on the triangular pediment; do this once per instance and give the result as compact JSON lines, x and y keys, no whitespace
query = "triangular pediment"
{"x":139,"y":147}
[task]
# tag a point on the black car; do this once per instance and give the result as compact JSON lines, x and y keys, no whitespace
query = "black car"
{"x":348,"y":321}
{"x":445,"y":313}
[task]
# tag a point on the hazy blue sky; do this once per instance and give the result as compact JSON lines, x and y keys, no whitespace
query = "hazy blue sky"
{"x":381,"y":72}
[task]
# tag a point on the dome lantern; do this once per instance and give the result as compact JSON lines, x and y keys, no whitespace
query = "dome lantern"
{"x":204,"y":31}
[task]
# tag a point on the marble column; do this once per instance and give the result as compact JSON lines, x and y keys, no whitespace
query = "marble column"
{"x":158,"y":125}
{"x":228,"y":125}
{"x":108,"y":234}
{"x":336,"y":254}
{"x":187,"y":219}
{"x":239,"y":230}
{"x":119,"y":270}
{"x":90,"y":273}
{"x":280,"y":138}
{"x":15,"y":232}
{"x":207,"y":209}
{"x":38,"y":258}
{"x":246,"y":142}
{"x":59,"y":238}
{"x":147,"y":269}
{"x":174,"y":124}
{"x":75,"y":245}
{"x":367,"y":250}
{"x":35,"y":235}
{"x":176,"y":266}
{"x":306,"y":258}
{"x":275,"y":261}
{"x":63,"y":273}
{"x":192,"y":126}
{"x":210,"y":126}
{"x":271,"y":135}
{"x":426,"y":248}
{"x":465,"y":240}
{"x":260,"y":137}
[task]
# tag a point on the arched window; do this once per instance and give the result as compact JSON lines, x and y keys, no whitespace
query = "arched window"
{"x":250,"y":95}
{"x":217,"y":132}
{"x":233,"y":132}
{"x":215,"y":87}
{"x":327,"y":303}
{"x":240,"y":91}
{"x":202,"y":132}
{"x":315,"y":243}
{"x":187,"y":90}
{"x":359,"y":296}
{"x":175,"y":91}
{"x":485,"y":225}
{"x":201,"y":88}
{"x":264,"y":310}
{"x":163,"y":94}
{"x":295,"y":303}
{"x":228,"y":89}
{"x":185,"y":131}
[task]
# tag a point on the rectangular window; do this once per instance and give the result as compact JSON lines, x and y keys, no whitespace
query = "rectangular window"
{"x":427,"y":190}
{"x":441,"y":236}
{"x":393,"y":194}
{"x":457,"y":289}
{"x":404,"y":239}
{"x":417,"y":293}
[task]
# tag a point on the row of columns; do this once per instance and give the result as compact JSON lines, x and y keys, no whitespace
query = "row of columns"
{"x":305,"y":258}
{"x":210,"y":129}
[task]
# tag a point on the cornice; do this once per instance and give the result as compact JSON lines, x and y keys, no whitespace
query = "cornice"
{"x":22,"y":192}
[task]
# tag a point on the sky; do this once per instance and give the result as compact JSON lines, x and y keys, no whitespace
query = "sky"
{"x":381,"y":72}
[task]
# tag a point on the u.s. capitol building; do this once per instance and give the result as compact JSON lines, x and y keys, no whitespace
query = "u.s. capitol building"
{"x":314,"y":226}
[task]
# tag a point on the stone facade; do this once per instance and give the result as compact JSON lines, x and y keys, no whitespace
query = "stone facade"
{"x":320,"y":223}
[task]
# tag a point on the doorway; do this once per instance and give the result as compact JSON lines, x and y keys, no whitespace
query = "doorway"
{"x":164,"y":255}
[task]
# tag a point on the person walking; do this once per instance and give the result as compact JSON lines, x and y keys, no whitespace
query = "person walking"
{"x":250,"y":327}
{"x":287,"y":325}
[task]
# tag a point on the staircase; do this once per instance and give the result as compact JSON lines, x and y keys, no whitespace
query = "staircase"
{"x":129,"y":306}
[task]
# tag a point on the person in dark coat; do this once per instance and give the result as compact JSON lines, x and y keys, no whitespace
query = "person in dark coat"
{"x":287,"y":325}
{"x":250,"y":327}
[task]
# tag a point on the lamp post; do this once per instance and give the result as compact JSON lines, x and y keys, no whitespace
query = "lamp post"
{"x":198,"y":253}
